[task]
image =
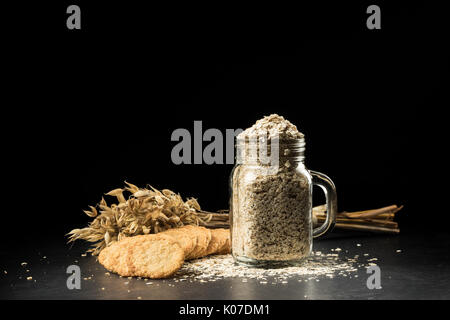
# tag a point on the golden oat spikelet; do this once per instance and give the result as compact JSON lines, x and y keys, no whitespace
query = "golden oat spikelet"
{"x":137,"y":211}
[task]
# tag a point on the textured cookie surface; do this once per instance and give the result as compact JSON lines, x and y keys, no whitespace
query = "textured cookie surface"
{"x":203,"y":237}
{"x":114,"y":257}
{"x":225,"y":235}
{"x":218,"y":240}
{"x":154,"y":256}
{"x":184,"y":238}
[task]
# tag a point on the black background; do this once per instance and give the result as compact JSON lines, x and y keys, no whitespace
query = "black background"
{"x":85,"y":110}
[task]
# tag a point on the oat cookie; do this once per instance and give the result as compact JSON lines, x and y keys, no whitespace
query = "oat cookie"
{"x":226,"y":247}
{"x":154,"y":256}
{"x":218,"y":240}
{"x":203,"y":236}
{"x":184,"y":239}
{"x":114,"y":257}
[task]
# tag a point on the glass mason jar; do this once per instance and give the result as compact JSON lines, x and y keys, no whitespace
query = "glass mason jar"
{"x":271,"y":203}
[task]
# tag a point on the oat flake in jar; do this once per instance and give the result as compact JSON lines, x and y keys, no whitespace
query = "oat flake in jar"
{"x":271,"y":196}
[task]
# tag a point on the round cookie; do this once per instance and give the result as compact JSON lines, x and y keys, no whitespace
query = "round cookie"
{"x":192,"y":232}
{"x":203,"y":236}
{"x":154,"y":256}
{"x":226,"y":248}
{"x":184,"y":239}
{"x":114,"y":257}
{"x":219,"y":238}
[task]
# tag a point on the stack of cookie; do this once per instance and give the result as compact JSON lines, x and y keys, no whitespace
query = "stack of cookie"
{"x":161,"y":255}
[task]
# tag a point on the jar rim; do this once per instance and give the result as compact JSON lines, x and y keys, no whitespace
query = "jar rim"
{"x":257,"y":139}
{"x":248,"y":150}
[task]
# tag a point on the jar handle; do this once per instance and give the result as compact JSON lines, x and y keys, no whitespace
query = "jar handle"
{"x":327,"y":185}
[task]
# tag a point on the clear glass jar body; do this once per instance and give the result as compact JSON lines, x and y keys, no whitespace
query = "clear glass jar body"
{"x":271,"y":210}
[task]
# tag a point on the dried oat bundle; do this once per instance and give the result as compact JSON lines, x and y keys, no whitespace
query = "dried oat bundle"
{"x":146,"y":211}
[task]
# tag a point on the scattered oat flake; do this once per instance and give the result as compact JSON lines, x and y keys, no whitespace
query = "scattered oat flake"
{"x":358,"y":244}
{"x":23,"y":264}
{"x":223,"y":266}
{"x":139,"y":298}
{"x":214,"y":268}
{"x":29,"y":278}
{"x":398,"y":251}
{"x":107,"y":273}
{"x":6,"y":272}
{"x":83,"y":254}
